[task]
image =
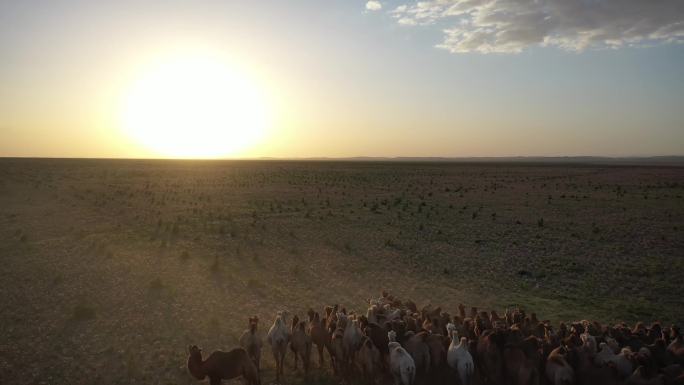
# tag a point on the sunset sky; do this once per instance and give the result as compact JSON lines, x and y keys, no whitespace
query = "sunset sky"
{"x":341,"y":78}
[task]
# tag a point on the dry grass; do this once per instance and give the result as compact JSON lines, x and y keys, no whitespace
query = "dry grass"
{"x":111,"y":268}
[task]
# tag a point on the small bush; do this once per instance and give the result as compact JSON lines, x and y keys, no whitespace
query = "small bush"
{"x":215,"y":266}
{"x":256,"y":259}
{"x":156,"y":284}
{"x":254,"y":284}
{"x":83,"y":312}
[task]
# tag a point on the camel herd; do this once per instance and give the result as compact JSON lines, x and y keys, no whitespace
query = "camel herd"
{"x":394,"y":341}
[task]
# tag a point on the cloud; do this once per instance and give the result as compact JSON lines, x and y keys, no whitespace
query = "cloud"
{"x":510,"y":26}
{"x":373,"y":5}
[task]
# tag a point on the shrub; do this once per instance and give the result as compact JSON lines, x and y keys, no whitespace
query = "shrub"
{"x":83,"y":312}
{"x":156,"y":284}
{"x":254,"y":284}
{"x":58,"y":279}
{"x":215,"y":266}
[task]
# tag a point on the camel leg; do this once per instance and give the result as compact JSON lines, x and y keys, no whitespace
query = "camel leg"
{"x":351,"y":362}
{"x":307,"y":361}
{"x":321,"y":361}
{"x":282,"y":364}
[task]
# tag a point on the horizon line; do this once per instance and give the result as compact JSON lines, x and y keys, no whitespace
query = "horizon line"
{"x":522,"y":158}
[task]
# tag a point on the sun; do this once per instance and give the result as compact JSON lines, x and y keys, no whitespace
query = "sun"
{"x":194,"y":106}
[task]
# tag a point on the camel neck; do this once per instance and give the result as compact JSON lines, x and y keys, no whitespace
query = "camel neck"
{"x":195,"y":367}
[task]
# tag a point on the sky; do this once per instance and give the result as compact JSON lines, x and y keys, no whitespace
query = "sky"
{"x":314,"y":78}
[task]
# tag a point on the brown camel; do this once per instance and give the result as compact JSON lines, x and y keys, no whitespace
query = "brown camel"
{"x":222,"y":366}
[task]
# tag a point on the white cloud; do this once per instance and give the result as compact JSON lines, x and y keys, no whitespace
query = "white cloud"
{"x":373,"y":5}
{"x":510,"y":26}
{"x":407,"y":21}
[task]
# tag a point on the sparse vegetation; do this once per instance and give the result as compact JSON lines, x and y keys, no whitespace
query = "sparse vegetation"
{"x":83,"y":312}
{"x":221,"y":240}
{"x":156,"y":284}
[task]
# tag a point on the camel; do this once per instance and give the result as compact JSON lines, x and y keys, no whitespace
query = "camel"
{"x":438,"y":352}
{"x":320,"y":335}
{"x":676,"y":347}
{"x":416,"y":346}
{"x":300,"y":343}
{"x":251,"y":342}
{"x":337,"y":352}
{"x":490,"y":357}
{"x":351,"y":340}
{"x":369,"y":360}
{"x":378,"y":336}
{"x":278,"y":338}
{"x":639,"y":378}
{"x":558,"y":370}
{"x":402,"y":366}
{"x":222,"y":366}
{"x":459,"y":358}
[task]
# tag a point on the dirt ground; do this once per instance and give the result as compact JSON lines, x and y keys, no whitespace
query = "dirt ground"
{"x":109,"y":269}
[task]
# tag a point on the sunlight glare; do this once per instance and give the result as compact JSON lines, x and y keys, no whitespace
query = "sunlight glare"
{"x":194,"y":106}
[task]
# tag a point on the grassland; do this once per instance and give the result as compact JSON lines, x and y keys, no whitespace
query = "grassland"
{"x":109,"y":269}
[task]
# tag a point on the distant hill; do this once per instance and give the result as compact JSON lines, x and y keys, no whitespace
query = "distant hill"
{"x":650,"y":160}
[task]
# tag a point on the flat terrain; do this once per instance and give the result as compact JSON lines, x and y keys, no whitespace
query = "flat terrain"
{"x":109,"y":269}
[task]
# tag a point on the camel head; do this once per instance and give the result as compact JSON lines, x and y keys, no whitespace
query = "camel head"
{"x":195,"y":362}
{"x":253,"y":323}
{"x":372,"y":309}
{"x":451,"y":331}
{"x":355,"y":323}
{"x":341,"y":319}
{"x":427,"y":325}
{"x":194,"y":351}
{"x":454,"y":336}
{"x":281,"y":317}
